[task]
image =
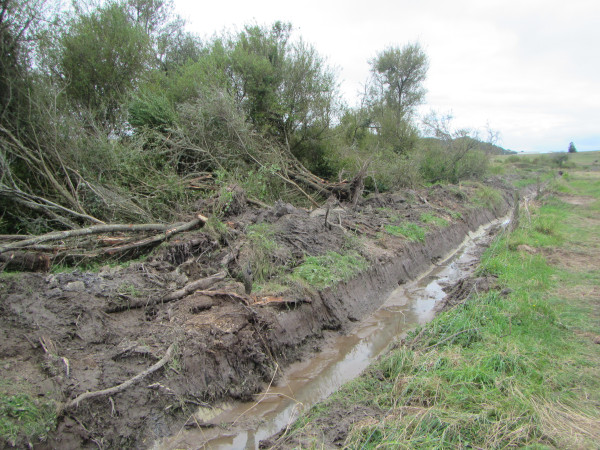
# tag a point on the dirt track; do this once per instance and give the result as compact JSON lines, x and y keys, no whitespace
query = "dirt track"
{"x":68,"y":333}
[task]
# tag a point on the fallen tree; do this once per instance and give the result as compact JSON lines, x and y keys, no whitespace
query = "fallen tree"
{"x":29,"y":254}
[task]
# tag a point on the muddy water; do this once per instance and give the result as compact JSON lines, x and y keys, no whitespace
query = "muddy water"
{"x":342,"y":358}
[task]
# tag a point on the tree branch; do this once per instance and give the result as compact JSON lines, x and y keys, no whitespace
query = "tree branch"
{"x":97,"y":229}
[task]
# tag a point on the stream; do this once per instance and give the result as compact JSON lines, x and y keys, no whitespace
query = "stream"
{"x":340,"y":359}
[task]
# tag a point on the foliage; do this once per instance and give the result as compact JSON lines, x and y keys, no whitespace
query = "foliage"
{"x":454,"y":155}
{"x":102,"y":56}
{"x":152,"y":110}
{"x":572,"y":148}
{"x":560,"y":159}
{"x":108,"y":110}
{"x":399,"y":74}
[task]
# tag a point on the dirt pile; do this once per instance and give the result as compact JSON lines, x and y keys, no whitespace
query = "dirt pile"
{"x":67,"y":333}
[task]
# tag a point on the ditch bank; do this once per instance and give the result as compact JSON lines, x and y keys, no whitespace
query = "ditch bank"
{"x":67,"y":334}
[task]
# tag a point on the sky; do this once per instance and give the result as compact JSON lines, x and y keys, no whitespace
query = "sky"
{"x":528,"y":69}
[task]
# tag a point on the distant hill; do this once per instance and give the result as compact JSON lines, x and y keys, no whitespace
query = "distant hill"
{"x":488,"y":148}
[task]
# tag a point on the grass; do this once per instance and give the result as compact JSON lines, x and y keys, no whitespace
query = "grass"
{"x":486,"y":196}
{"x":261,"y":248}
{"x":432,"y":219}
{"x":410,"y":231}
{"x":499,"y":370}
{"x":329,"y":269}
{"x":25,"y":419}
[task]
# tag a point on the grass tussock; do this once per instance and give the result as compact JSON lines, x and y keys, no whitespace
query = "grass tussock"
{"x":499,"y":370}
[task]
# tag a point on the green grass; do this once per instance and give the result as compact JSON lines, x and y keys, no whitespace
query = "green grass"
{"x":24,"y":420}
{"x":500,"y":370}
{"x":329,"y":269}
{"x":262,"y":245}
{"x":486,"y":197}
{"x":432,"y":219}
{"x":410,"y":231}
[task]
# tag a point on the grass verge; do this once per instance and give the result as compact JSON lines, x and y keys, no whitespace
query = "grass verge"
{"x":512,"y":367}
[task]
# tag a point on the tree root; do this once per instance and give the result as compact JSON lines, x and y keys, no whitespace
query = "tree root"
{"x":190,"y":288}
{"x":121,"y":387}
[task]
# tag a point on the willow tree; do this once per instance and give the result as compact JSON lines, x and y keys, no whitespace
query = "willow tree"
{"x":396,"y":90}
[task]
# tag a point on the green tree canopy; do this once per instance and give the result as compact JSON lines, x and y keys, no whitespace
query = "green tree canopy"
{"x":394,"y":92}
{"x":399,"y":74}
{"x":103,"y":55}
{"x":572,"y":148}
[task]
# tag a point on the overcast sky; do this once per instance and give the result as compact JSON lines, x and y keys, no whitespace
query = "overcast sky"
{"x":529,"y":69}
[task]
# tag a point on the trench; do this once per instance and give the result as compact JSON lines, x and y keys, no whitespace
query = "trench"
{"x":339,"y":359}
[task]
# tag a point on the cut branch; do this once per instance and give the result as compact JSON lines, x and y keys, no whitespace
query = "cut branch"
{"x":190,"y":288}
{"x":168,"y":230}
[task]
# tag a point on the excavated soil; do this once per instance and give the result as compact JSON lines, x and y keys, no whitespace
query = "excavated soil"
{"x":63,"y":334}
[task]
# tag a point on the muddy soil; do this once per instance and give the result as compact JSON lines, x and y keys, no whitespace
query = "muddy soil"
{"x":63,"y":334}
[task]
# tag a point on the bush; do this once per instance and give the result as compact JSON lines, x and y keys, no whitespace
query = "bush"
{"x":442,"y":164}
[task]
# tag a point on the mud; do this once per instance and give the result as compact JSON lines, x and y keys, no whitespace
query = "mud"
{"x":68,"y":333}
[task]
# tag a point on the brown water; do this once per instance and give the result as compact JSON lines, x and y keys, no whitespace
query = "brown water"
{"x":342,"y":358}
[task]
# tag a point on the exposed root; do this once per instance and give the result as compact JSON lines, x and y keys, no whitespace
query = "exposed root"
{"x":121,"y":387}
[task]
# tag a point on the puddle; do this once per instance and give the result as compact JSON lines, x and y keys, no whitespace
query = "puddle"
{"x":342,"y":358}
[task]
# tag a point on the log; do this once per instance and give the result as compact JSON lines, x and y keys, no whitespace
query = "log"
{"x":99,"y":229}
{"x":202,"y":284}
{"x":242,"y":298}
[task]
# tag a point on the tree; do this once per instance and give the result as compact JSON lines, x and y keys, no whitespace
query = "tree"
{"x":21,"y":23}
{"x":396,"y":89}
{"x":572,"y":148}
{"x":452,"y":154}
{"x":398,"y":75}
{"x":285,"y":87}
{"x":103,"y":55}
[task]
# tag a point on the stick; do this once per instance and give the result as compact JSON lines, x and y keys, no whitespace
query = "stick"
{"x":97,"y":229}
{"x":233,"y":295}
{"x":121,"y":387}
